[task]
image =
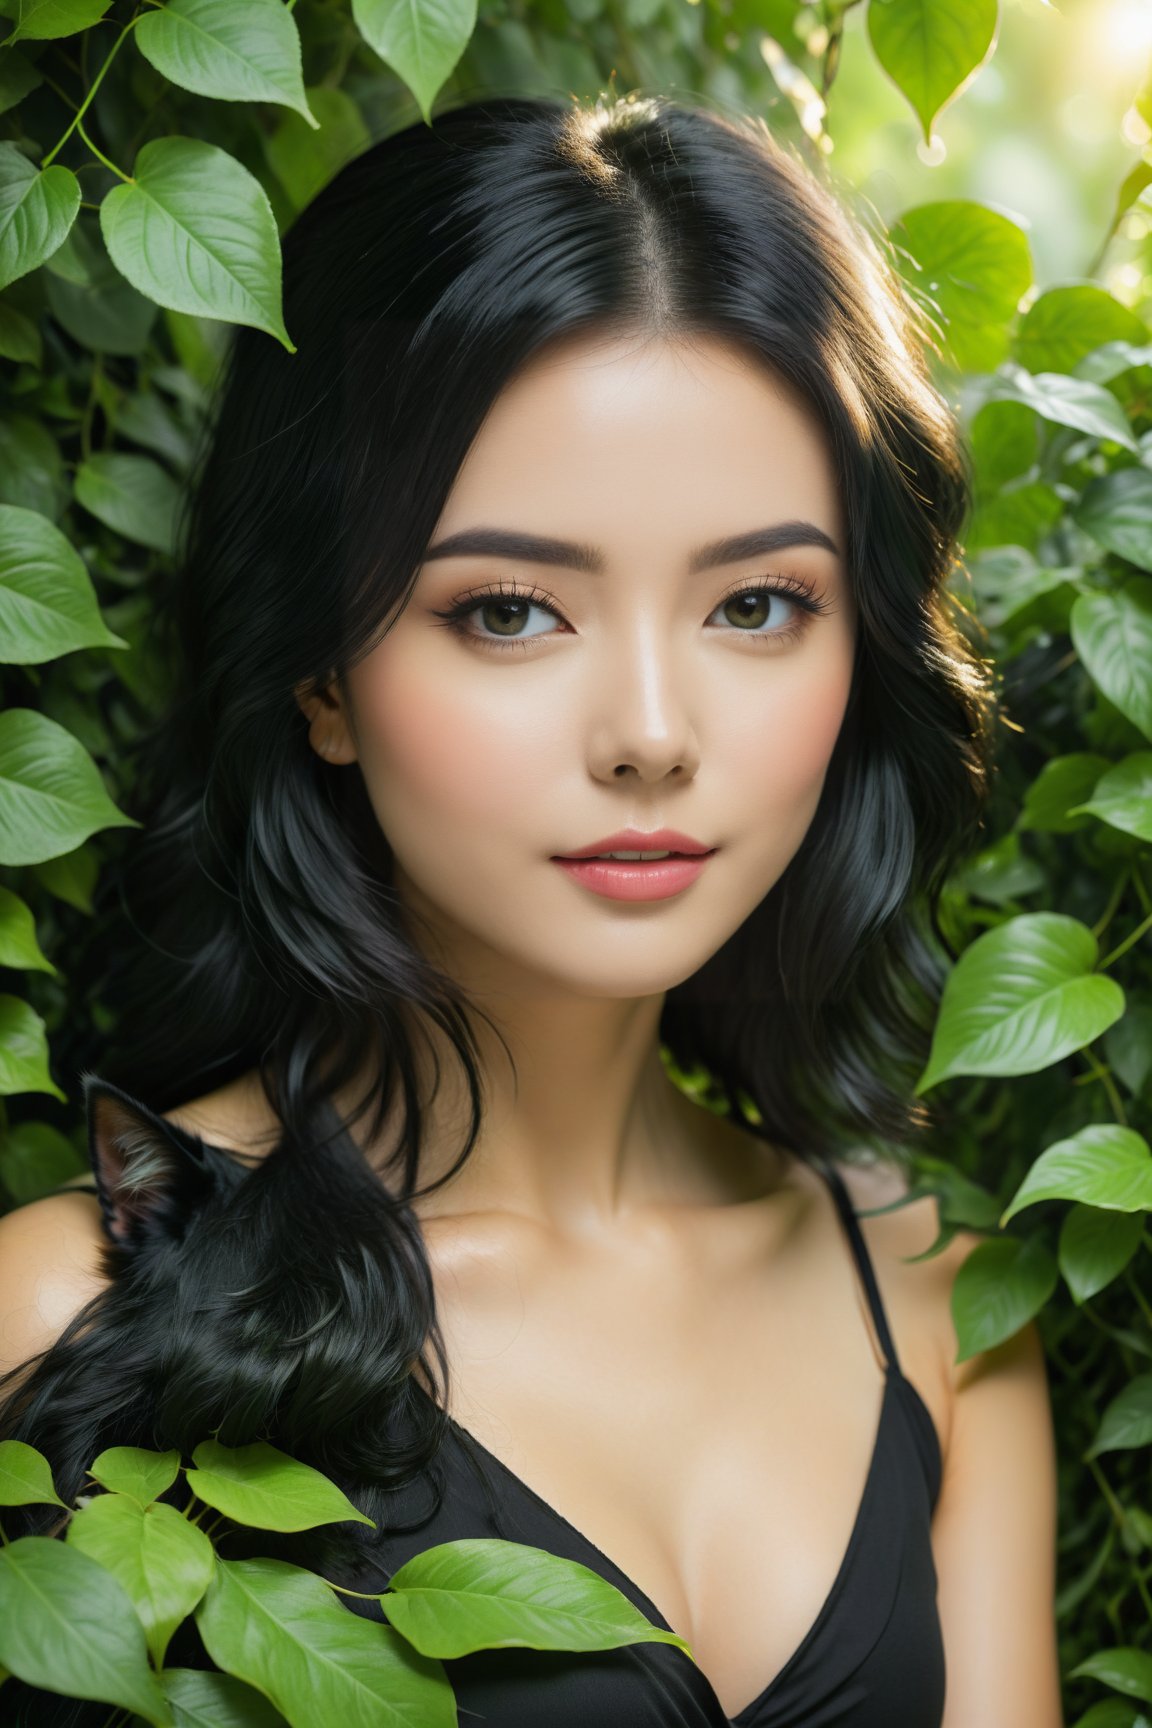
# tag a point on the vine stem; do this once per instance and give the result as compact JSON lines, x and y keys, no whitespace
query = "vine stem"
{"x":1114,"y":899}
{"x":100,"y":154}
{"x":1128,"y":942}
{"x":79,"y":114}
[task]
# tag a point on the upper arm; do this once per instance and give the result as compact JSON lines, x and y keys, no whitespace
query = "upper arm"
{"x":994,"y":1538}
{"x":50,"y":1266}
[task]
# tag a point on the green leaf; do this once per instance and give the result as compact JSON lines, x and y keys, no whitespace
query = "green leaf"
{"x":26,"y":1476}
{"x":1062,"y":782}
{"x":164,"y":1562}
{"x":132,"y":494}
{"x":1019,"y":998}
{"x":1124,"y":1668}
{"x":1116,"y":510}
{"x":1127,"y":1420}
{"x":48,"y":605}
{"x":24,"y":1047}
{"x":51,"y":794}
{"x":1112,"y":633}
{"x":281,"y":1630}
{"x":1068,"y":401}
{"x":1019,"y":516}
{"x":1095,"y":1246}
{"x":18,"y":945}
{"x":1123,"y":796}
{"x":930,"y":48}
{"x":195,"y":231}
{"x":31,"y":469}
{"x":1001,"y":1285}
{"x":974,"y":264}
{"x":1062,"y":325}
{"x":202,"y":1699}
{"x":71,"y":877}
{"x":1128,"y":1046}
{"x":37,"y":208}
{"x":479,"y":1593}
{"x":1101,"y":1165}
{"x":18,"y":77}
{"x":421,"y":42}
{"x":42,"y":20}
{"x":1004,"y":442}
{"x":90,"y":299}
{"x":36,"y":1158}
{"x":305,"y":161}
{"x":67,"y":1625}
{"x":19,"y":337}
{"x":248,"y":53}
{"x":261,"y":1486}
{"x":136,"y":1472}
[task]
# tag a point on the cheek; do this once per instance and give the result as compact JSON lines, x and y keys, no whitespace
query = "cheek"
{"x":780,"y":738}
{"x":438,"y":750}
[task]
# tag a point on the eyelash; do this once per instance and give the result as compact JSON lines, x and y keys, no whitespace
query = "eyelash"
{"x":791,"y":587}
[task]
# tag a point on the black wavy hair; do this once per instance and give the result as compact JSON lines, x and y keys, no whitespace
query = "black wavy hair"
{"x":258,"y":926}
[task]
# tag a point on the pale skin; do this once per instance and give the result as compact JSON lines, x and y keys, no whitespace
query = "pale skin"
{"x":651,"y":1316}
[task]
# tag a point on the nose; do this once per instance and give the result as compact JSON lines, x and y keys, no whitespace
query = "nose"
{"x":641,"y":710}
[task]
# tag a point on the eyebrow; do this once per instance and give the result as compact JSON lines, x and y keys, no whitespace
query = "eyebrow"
{"x":572,"y":554}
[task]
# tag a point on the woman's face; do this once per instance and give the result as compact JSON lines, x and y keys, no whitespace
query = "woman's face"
{"x":644,"y":693}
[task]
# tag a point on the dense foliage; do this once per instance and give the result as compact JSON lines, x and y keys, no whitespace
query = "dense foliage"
{"x":150,"y":158}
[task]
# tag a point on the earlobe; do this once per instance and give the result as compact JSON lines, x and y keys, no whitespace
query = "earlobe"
{"x":328,"y":730}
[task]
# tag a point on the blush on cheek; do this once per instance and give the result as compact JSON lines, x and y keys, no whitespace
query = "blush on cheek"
{"x":429,"y":744}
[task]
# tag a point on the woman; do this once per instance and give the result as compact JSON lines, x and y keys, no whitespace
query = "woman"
{"x":605,"y":507}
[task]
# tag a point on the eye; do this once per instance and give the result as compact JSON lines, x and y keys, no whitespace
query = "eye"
{"x":505,"y":607}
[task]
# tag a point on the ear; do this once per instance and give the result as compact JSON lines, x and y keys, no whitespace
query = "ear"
{"x":147,"y":1170}
{"x":329,"y":721}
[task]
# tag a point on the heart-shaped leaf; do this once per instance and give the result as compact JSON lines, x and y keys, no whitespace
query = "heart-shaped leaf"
{"x":281,"y":1630}
{"x":37,"y":208}
{"x":203,"y":1699}
{"x":48,"y":605}
{"x":930,"y":48}
{"x":1127,"y":1420}
{"x":35,"y":1158}
{"x":1061,"y":783}
{"x":24,"y":1048}
{"x":421,"y":43}
{"x":1064,"y":324}
{"x":1125,"y":1668}
{"x":1101,"y":1165}
{"x":1000,"y":1286}
{"x":1095,"y":1246}
{"x":163,"y":1561}
{"x":1068,"y":401}
{"x":1123,"y":796}
{"x":263,"y":1487}
{"x":26,"y":1476}
{"x":248,"y":53}
{"x":1116,"y":509}
{"x":1019,"y":998}
{"x":974,"y":265}
{"x":133,"y":495}
{"x":195,"y":231}
{"x":19,"y":947}
{"x":479,"y":1594}
{"x":1112,"y":633}
{"x":67,"y":1625}
{"x":136,"y":1472}
{"x":46,"y":20}
{"x":51,"y":794}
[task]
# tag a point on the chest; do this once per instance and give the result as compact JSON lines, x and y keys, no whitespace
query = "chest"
{"x":702,"y":1409}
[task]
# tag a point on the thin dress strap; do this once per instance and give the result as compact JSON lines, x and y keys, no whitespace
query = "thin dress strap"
{"x":863,"y":1259}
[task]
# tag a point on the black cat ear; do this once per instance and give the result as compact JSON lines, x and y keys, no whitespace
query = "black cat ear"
{"x":144,"y":1166}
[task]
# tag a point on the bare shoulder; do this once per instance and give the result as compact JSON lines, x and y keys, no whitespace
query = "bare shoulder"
{"x":917,"y":1291}
{"x":51,"y":1264}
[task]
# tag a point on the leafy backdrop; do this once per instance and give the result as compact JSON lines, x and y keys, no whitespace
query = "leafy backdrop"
{"x":150,"y":157}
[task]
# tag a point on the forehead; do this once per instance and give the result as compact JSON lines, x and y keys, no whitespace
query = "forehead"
{"x":677,"y":436}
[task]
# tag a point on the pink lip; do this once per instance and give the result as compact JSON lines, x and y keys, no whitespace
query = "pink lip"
{"x":636,"y":840}
{"x":618,"y":879}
